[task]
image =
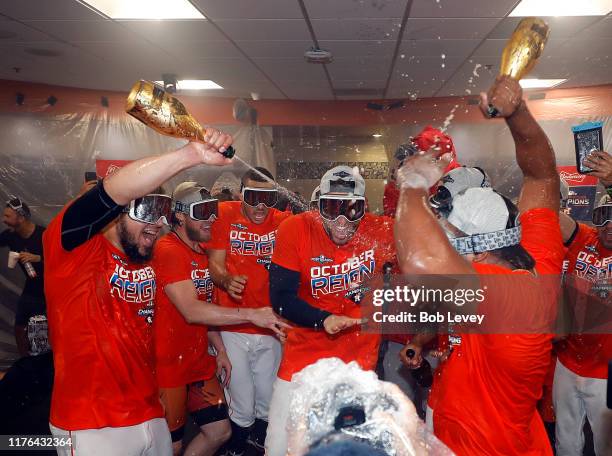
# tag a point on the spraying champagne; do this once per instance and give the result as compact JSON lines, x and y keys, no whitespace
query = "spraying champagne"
{"x":165,"y":114}
{"x":522,"y":51}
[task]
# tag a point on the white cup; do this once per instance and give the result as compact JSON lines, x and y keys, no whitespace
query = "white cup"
{"x":13,"y":257}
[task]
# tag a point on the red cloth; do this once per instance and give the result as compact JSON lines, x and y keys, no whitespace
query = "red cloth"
{"x":390,"y":199}
{"x":432,"y":137}
{"x":589,"y":262}
{"x":100,"y":309}
{"x":181,"y":349}
{"x":491,"y":384}
{"x":248,"y":248}
{"x":328,"y":272}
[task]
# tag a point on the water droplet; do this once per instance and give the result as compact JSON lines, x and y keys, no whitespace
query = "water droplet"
{"x":443,"y":65}
{"x":443,"y":56}
{"x":402,"y":56}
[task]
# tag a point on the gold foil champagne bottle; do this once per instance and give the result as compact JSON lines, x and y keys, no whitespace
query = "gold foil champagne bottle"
{"x":164,"y":113}
{"x":523,"y":50}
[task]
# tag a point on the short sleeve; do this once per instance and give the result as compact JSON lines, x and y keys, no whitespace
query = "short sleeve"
{"x":541,"y":237}
{"x":286,"y":249}
{"x":220,"y":229}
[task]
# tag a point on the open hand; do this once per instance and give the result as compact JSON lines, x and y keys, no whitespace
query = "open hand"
{"x":336,"y":323}
{"x":601,"y":164}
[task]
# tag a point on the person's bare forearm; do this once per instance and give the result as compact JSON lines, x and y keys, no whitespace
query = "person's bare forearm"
{"x":422,"y":246}
{"x":143,"y":176}
{"x":205,"y":313}
{"x":534,"y":153}
{"x":218,"y":271}
{"x":215,"y":340}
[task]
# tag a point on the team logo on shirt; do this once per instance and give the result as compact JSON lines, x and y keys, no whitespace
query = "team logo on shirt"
{"x":247,"y":243}
{"x":135,"y":287}
{"x":321,"y":259}
{"x":202,"y":281}
{"x":591,"y":266}
{"x":347,"y":276}
{"x":239,"y":226}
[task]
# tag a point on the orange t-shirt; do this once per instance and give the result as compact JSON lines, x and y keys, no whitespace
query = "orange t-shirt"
{"x":487,"y":398}
{"x":181,"y":348}
{"x":590,"y":263}
{"x":100,"y":308}
{"x":248,"y":249}
{"x":330,"y":279}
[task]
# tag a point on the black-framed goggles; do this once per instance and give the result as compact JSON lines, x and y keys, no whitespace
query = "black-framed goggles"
{"x":151,"y":209}
{"x":200,"y":210}
{"x":332,"y":207}
{"x":256,"y":196}
{"x":14,"y":203}
{"x":602,"y":215}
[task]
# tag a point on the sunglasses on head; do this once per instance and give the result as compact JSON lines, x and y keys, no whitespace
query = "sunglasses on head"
{"x":151,"y":209}
{"x":602,"y":215}
{"x":14,"y":203}
{"x":332,"y":207}
{"x":256,"y":196}
{"x":200,"y":210}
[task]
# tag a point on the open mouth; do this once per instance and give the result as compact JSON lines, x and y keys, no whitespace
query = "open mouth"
{"x":149,"y":237}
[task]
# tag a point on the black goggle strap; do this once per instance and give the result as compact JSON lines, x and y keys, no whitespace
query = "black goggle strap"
{"x":256,"y":196}
{"x":150,"y":209}
{"x":344,"y":208}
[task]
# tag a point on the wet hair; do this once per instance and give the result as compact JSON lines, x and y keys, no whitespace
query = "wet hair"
{"x":516,"y":255}
{"x":253,"y":175}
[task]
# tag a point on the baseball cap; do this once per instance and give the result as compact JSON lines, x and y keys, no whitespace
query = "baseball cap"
{"x":342,"y":180}
{"x":190,"y":192}
{"x":456,"y":181}
{"x":489,"y":220}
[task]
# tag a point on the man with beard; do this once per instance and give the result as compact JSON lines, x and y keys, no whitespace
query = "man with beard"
{"x":240,"y":251}
{"x":100,"y":293}
{"x":488,"y":393}
{"x":25,"y":238}
{"x":185,"y":370}
{"x":318,"y":268}
{"x":581,"y":371}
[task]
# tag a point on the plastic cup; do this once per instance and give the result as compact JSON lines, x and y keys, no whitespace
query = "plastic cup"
{"x":13,"y":258}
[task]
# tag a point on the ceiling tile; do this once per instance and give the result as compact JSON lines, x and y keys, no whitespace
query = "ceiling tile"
{"x":220,"y":69}
{"x":463,"y":8}
{"x":355,"y":9}
{"x":356,"y":29}
{"x":360,"y":68}
{"x":75,"y":31}
{"x":245,"y":9}
{"x":428,"y":48}
{"x":349,"y":48}
{"x":560,"y":27}
{"x":469,"y":80}
{"x":473,"y":29}
{"x":359,"y":84}
{"x":291,"y":69}
{"x":285,"y":49}
{"x":13,"y":31}
{"x":28,"y":10}
{"x":265,"y":29}
{"x":196,"y":50}
{"x":175,"y":30}
{"x":600,"y":29}
{"x":591,"y":47}
{"x":427,"y":67}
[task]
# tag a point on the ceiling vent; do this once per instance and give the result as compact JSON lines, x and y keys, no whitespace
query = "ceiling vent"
{"x":317,"y":55}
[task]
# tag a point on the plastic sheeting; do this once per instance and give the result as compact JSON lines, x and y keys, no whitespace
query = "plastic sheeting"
{"x":322,"y":390}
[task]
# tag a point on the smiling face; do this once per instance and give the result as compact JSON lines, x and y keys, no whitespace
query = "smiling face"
{"x":138,"y":238}
{"x":197,"y":230}
{"x":257,"y":214}
{"x":340,"y":231}
{"x":605,"y":235}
